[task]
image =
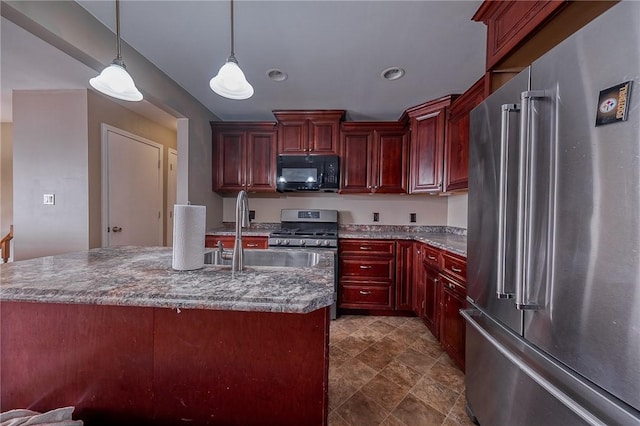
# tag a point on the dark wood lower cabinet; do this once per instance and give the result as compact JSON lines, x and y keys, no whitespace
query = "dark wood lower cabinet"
{"x":121,"y":365}
{"x":228,"y":241}
{"x":452,"y":325}
{"x":432,"y":299}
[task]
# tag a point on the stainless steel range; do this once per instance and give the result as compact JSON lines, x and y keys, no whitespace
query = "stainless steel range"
{"x":313,"y":229}
{"x":306,"y":228}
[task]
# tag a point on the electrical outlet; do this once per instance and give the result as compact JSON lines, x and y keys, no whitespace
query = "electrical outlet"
{"x":49,"y":199}
{"x":252,"y":214}
{"x":412,"y":217}
{"x":376,"y":217}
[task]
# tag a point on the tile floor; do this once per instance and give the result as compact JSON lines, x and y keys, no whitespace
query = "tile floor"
{"x":391,"y":371}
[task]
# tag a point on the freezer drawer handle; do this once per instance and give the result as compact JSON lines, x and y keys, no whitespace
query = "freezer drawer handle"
{"x":501,"y":291}
{"x":365,"y":266}
{"x":565,"y":399}
{"x":456,"y":270}
{"x":365,"y":293}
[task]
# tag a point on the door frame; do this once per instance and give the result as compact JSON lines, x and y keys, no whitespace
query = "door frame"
{"x":104,"y":139}
{"x":169,"y":208}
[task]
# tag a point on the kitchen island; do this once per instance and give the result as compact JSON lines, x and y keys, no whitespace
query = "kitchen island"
{"x":127,"y":340}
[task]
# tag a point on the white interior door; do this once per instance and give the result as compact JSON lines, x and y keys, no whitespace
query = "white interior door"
{"x":172,"y":180}
{"x":131,"y":189}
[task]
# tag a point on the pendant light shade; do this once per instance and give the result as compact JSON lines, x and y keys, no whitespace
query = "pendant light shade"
{"x":114,"y":80}
{"x":230,"y":81}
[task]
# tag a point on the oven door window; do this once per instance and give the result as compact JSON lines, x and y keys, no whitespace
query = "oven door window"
{"x":306,"y":175}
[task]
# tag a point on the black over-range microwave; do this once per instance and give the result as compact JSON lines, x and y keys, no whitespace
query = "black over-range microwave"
{"x":308,"y":173}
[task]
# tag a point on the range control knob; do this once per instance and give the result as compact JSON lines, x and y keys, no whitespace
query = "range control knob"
{"x":326,"y":243}
{"x":303,"y":243}
{"x":318,"y":243}
{"x":285,"y":242}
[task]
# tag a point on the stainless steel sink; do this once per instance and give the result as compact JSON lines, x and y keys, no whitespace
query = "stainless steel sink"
{"x":286,"y":258}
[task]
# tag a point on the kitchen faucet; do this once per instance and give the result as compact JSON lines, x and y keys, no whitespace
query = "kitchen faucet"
{"x":242,"y":220}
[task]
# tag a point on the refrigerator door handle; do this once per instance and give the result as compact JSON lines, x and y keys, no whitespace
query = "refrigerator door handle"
{"x":525,"y":218}
{"x":501,"y":291}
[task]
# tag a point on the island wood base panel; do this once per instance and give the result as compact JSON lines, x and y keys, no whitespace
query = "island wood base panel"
{"x":142,"y":366}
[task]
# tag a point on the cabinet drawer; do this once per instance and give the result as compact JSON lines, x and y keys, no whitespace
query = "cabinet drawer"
{"x":357,"y":296}
{"x":229,"y":240}
{"x":454,"y":266}
{"x":367,"y":247}
{"x":453,"y":286}
{"x":367,"y":268}
{"x":431,"y":256}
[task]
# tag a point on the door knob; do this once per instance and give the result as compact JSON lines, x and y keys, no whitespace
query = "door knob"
{"x":116,"y":229}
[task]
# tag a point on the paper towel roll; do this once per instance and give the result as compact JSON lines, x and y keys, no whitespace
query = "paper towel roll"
{"x":188,"y":237}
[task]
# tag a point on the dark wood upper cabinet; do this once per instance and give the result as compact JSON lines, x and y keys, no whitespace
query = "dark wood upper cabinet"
{"x":456,"y":155}
{"x":519,"y":32}
{"x":244,"y":156}
{"x":428,"y":128}
{"x":309,"y":132}
{"x":509,"y":23}
{"x":374,"y":157}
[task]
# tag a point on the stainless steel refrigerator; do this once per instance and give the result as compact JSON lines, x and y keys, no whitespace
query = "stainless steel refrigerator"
{"x":553,"y":329}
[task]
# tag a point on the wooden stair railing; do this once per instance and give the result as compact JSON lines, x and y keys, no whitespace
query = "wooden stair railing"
{"x":5,"y":245}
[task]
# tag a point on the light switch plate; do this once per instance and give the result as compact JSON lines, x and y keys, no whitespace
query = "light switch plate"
{"x":49,"y":199}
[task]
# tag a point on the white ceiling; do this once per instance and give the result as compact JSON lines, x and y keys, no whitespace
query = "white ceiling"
{"x":333,"y":51}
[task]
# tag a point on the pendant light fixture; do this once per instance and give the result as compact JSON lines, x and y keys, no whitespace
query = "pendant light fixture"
{"x":230,"y":81}
{"x":114,"y":80}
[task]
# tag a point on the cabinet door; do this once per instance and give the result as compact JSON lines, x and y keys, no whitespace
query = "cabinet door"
{"x":452,"y":336}
{"x":456,"y":172}
{"x":404,"y":275}
{"x":432,"y":302}
{"x":229,"y":161}
{"x":324,"y":136}
{"x":261,"y":161}
{"x":293,"y":136}
{"x":356,"y":162}
{"x":390,"y":168}
{"x":427,"y":139}
{"x":417,"y":299}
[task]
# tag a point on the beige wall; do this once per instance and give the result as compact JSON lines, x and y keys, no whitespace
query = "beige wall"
{"x":50,"y":156}
{"x":457,"y":209}
{"x":6,"y":178}
{"x":102,"y":110}
{"x":354,"y":209}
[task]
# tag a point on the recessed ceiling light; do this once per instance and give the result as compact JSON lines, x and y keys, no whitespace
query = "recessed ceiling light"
{"x":393,"y":73}
{"x":277,"y":75}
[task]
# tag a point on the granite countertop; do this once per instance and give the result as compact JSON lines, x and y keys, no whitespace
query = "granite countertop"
{"x":142,"y":276}
{"x":443,"y":237}
{"x":443,"y":240}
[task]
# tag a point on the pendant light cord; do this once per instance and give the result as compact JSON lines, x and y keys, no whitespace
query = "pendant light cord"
{"x":233,"y":55}
{"x":119,"y":54}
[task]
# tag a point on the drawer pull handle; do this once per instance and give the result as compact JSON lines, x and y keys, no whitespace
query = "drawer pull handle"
{"x":430,"y":257}
{"x":252,"y":245}
{"x":454,"y":269}
{"x":365,"y":293}
{"x":365,"y":248}
{"x":452,"y":286}
{"x":365,"y":267}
